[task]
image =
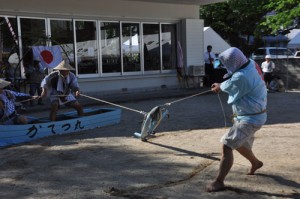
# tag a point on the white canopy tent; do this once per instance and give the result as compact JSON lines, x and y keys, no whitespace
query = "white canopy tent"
{"x":295,"y":42}
{"x":215,"y":40}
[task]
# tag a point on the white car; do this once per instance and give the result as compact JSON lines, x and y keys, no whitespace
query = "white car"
{"x":297,"y":54}
{"x":275,"y":52}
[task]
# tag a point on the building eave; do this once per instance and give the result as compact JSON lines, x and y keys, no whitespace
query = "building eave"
{"x":188,"y":2}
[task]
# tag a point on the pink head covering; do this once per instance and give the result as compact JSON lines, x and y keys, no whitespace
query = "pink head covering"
{"x":233,"y":59}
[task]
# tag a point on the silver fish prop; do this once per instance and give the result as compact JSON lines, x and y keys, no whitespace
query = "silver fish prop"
{"x":151,"y":121}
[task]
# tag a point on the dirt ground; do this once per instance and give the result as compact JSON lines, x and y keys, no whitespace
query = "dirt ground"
{"x":177,"y":163}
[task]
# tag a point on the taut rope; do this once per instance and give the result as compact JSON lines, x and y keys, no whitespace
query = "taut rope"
{"x":141,"y":112}
{"x":224,"y":115}
{"x":167,"y":104}
{"x":170,"y":103}
{"x":27,"y":100}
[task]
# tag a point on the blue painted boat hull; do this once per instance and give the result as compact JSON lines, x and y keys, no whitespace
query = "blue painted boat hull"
{"x":66,"y":123}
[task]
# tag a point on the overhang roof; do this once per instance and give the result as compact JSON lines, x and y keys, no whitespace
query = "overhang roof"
{"x":189,"y":2}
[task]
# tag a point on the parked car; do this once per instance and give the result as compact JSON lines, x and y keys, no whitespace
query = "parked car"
{"x":275,"y":52}
{"x":297,"y":54}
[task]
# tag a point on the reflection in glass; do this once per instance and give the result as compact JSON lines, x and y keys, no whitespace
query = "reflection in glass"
{"x":33,"y":33}
{"x":62,"y":34}
{"x":110,"y":47}
{"x":151,"y":47}
{"x":86,"y":47}
{"x":168,"y":40}
{"x":9,"y":58}
{"x":131,"y":47}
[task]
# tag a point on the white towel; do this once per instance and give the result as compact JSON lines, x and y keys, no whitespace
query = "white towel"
{"x":62,"y":84}
{"x":64,"y":89}
{"x":69,"y":98}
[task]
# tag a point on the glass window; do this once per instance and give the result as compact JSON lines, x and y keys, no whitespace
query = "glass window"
{"x":33,"y":33}
{"x":168,"y":42}
{"x":280,"y":51}
{"x":151,"y":47}
{"x":9,"y":58}
{"x":131,"y":47}
{"x":260,"y":52}
{"x":62,"y":34}
{"x":110,"y":47}
{"x":86,"y":47}
{"x":121,"y":45}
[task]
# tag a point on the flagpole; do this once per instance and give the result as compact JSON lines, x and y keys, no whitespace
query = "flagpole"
{"x":11,"y":30}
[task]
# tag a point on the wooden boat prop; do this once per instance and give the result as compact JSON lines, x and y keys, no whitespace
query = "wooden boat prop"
{"x":151,"y":120}
{"x":66,"y":123}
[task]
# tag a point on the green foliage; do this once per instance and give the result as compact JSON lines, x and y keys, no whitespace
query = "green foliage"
{"x":234,"y":18}
{"x":286,"y":11}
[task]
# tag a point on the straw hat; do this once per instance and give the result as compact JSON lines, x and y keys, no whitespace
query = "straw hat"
{"x":64,"y":66}
{"x":4,"y":83}
{"x":268,"y":57}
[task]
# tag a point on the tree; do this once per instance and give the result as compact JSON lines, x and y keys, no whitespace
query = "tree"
{"x":238,"y":19}
{"x":234,"y":20}
{"x":285,"y":17}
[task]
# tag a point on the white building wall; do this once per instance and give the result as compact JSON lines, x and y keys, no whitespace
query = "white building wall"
{"x":128,"y":85}
{"x":192,"y":40}
{"x":100,"y":8}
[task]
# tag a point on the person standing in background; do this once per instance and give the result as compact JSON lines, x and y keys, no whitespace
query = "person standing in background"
{"x":209,"y":58}
{"x":267,"y":68}
{"x":35,"y":75}
{"x":5,"y":68}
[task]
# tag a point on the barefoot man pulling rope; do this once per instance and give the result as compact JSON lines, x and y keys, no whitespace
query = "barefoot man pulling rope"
{"x":248,"y":97}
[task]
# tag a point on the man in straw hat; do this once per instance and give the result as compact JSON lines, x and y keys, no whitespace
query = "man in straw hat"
{"x":8,"y":113}
{"x":61,"y":83}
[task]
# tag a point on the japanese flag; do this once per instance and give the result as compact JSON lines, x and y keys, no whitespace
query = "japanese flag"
{"x":50,"y":56}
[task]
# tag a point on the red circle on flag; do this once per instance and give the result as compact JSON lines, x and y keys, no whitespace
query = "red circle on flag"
{"x":47,"y":56}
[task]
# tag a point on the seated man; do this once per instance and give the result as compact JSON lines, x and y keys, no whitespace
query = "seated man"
{"x":61,"y":83}
{"x":8,"y":114}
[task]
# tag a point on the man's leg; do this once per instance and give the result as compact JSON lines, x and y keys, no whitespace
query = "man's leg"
{"x":53,"y":111}
{"x":39,"y":92}
{"x":249,"y":155}
{"x":21,"y":119}
{"x":76,"y":105}
{"x":207,"y":76}
{"x":32,"y":89}
{"x":225,"y":166}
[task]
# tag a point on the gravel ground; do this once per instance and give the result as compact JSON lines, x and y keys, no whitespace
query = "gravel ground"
{"x":178,"y":162}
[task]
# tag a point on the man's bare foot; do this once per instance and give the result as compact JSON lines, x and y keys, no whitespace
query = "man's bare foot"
{"x":255,"y":167}
{"x":215,"y":186}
